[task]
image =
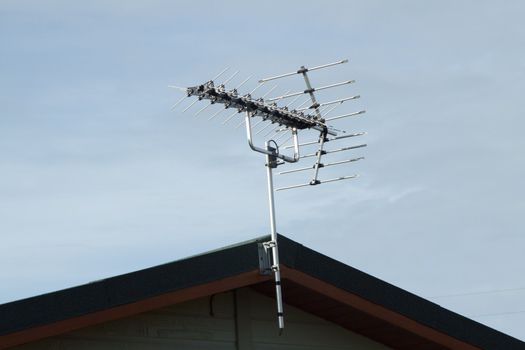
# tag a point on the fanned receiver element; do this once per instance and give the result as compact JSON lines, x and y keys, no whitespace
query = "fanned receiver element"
{"x":256,"y":107}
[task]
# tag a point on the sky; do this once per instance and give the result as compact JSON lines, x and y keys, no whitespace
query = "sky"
{"x":99,"y":176}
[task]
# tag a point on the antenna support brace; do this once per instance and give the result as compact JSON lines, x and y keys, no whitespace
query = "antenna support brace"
{"x":273,"y":163}
{"x":302,"y":70}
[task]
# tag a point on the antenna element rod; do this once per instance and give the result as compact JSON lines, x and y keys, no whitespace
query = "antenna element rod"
{"x":327,"y":140}
{"x":300,"y":71}
{"x":320,"y":182}
{"x":313,"y":89}
{"x":332,"y":102}
{"x":345,"y":115}
{"x":323,"y":165}
{"x":334,"y":151}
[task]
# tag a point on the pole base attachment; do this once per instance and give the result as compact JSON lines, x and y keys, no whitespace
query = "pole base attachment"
{"x":266,"y":266}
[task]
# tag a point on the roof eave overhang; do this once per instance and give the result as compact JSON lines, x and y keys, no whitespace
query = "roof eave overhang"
{"x":375,"y":310}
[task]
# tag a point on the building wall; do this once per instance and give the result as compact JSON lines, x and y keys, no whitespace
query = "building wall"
{"x":210,"y":323}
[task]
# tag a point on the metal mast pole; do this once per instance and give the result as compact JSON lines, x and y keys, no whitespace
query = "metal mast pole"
{"x":271,"y":162}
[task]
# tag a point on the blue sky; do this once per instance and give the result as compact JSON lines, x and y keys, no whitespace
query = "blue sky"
{"x":100,"y":177}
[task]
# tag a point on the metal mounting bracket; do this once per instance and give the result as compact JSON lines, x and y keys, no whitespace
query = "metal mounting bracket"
{"x":265,"y":261}
{"x":269,"y":244}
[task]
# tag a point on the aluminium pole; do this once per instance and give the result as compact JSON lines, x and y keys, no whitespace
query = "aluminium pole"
{"x":271,"y":162}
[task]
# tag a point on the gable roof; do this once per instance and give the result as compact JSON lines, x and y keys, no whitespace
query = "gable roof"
{"x":311,"y":281}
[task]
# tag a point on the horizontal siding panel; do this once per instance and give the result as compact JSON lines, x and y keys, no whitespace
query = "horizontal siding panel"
{"x":141,"y":344}
{"x":302,"y":330}
{"x":205,"y":325}
{"x":220,"y":304}
{"x":275,"y":346}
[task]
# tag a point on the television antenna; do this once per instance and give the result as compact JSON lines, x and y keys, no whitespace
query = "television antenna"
{"x":310,"y":115}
